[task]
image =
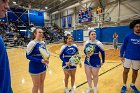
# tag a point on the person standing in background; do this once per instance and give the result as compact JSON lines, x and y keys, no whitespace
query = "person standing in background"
{"x":130,"y":55}
{"x":115,"y":40}
{"x":5,"y":78}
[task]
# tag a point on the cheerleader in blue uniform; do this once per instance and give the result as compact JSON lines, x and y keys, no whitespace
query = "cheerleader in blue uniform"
{"x":93,"y":62}
{"x":37,"y":65}
{"x":66,"y":52}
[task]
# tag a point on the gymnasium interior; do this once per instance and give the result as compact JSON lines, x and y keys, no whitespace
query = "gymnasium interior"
{"x":57,"y":17}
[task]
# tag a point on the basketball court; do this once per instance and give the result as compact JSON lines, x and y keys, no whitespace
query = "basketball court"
{"x":57,"y":18}
{"x":110,"y":75}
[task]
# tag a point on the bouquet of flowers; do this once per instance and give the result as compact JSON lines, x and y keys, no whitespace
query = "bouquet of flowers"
{"x":45,"y":53}
{"x":89,"y":51}
{"x":73,"y":61}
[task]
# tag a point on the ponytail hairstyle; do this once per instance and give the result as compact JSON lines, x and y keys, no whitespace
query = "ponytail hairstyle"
{"x":34,"y":32}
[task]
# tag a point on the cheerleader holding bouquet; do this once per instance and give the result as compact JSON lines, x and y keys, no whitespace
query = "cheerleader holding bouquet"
{"x":89,"y":52}
{"x":74,"y":61}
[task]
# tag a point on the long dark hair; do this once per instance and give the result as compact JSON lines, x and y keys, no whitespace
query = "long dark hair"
{"x":66,"y":37}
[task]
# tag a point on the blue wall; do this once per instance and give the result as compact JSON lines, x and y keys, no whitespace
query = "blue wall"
{"x":98,"y":34}
{"x":106,"y":34}
{"x":37,"y":17}
{"x":78,"y":35}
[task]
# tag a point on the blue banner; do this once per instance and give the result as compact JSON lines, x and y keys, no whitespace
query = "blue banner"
{"x":69,"y":21}
{"x":63,"y":22}
{"x":85,"y":16}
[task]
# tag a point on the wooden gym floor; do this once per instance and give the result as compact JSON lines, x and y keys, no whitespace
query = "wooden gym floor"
{"x":110,"y":75}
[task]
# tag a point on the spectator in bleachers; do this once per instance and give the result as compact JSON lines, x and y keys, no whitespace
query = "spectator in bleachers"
{"x":15,"y":40}
{"x":21,"y":42}
{"x":11,"y":34}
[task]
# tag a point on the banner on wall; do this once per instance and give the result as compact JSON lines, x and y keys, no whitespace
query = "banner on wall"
{"x":63,"y":22}
{"x":69,"y":21}
{"x":85,"y":16}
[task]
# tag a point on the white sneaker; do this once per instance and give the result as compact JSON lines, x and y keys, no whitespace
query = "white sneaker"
{"x":95,"y":90}
{"x":72,"y":90}
{"x":67,"y":90}
{"x":88,"y":90}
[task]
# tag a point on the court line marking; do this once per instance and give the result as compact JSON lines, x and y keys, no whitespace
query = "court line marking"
{"x":100,"y":75}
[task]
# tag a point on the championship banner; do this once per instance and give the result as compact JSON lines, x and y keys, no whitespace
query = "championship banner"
{"x":85,"y":16}
{"x":63,"y":22}
{"x":69,"y":21}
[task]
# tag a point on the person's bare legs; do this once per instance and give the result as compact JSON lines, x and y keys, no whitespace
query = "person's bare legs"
{"x":125,"y":75}
{"x":72,"y":77}
{"x":95,"y":72}
{"x":36,"y":83}
{"x":88,"y":71}
{"x":42,"y":78}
